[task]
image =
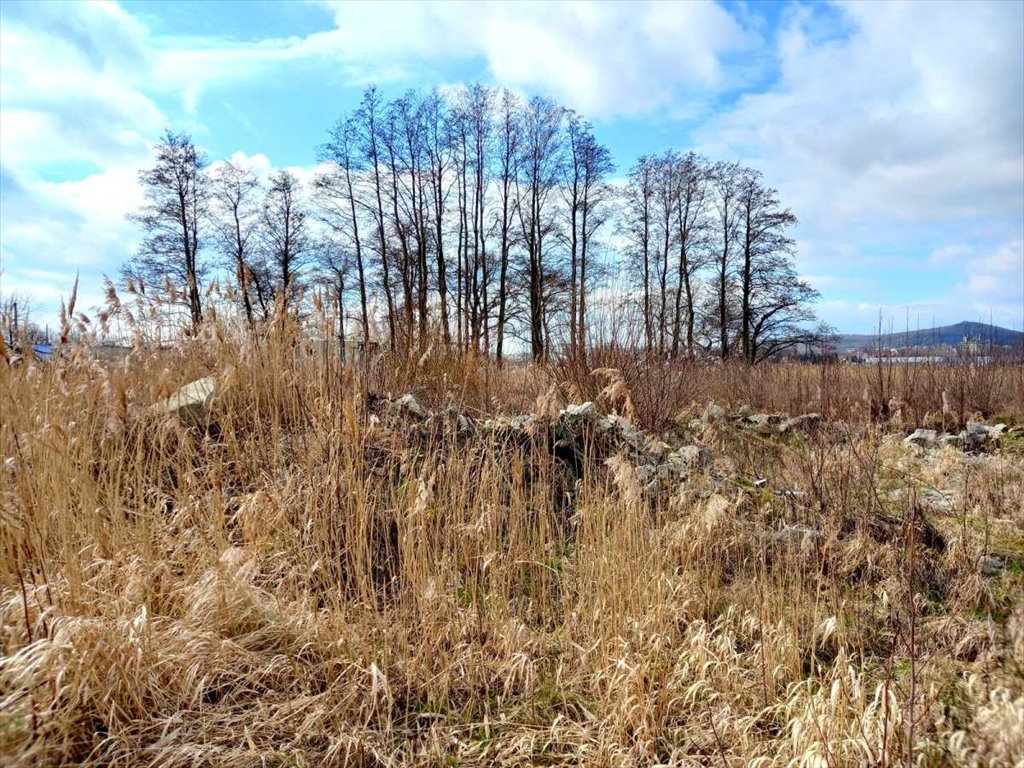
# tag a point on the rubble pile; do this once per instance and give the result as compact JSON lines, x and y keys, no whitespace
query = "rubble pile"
{"x":578,"y":435}
{"x":976,"y":436}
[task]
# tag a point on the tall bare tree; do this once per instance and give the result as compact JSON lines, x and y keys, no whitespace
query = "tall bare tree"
{"x":335,"y":263}
{"x":508,"y":142}
{"x":438,"y":148}
{"x":176,"y":192}
{"x":586,"y":169}
{"x":691,"y":239}
{"x":235,"y":204}
{"x":637,"y":226}
{"x":391,"y":141}
{"x":774,"y":302}
{"x":368,"y":118}
{"x":337,"y":201}
{"x":286,"y":240}
{"x":727,"y":179}
{"x":540,"y":161}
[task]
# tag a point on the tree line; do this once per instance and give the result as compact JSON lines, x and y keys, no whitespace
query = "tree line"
{"x":485,"y":221}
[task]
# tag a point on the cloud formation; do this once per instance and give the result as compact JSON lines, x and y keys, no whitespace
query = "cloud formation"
{"x":894,"y":130}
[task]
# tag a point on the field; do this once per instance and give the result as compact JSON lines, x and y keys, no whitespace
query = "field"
{"x":312,"y":570}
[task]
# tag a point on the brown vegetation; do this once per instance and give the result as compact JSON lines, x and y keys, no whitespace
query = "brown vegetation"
{"x":313,"y":579}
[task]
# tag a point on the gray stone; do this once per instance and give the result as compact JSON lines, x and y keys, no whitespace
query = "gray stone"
{"x":991,"y":565}
{"x":936,"y":500}
{"x":803,"y":423}
{"x":978,"y":434}
{"x":689,"y":457}
{"x":952,"y":440}
{"x":586,"y":412}
{"x":523,"y":421}
{"x":713,"y":413}
{"x":761,"y":420}
{"x":657,"y":449}
{"x":645,"y":473}
{"x":975,"y":435}
{"x":574,"y":418}
{"x":923,"y":437}
{"x":191,"y":403}
{"x":408,"y":406}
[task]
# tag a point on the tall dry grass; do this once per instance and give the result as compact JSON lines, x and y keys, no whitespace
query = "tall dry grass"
{"x":312,"y":582}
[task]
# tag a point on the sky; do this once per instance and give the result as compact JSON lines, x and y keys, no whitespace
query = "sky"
{"x":894,"y":131}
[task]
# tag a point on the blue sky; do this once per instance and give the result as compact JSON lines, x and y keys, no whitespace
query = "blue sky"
{"x":895,"y":131}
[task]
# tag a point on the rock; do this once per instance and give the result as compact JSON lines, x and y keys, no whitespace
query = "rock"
{"x":923,"y":437}
{"x":978,"y":434}
{"x":689,"y":457}
{"x":451,"y":417}
{"x":646,"y":473}
{"x":574,"y":420}
{"x":658,"y":449}
{"x":803,"y":423}
{"x":937,"y":501}
{"x":585,"y":410}
{"x":952,"y":440}
{"x":975,"y":435}
{"x":762,"y":420}
{"x":408,"y":406}
{"x":522,"y":422}
{"x":789,"y":493}
{"x":990,"y":565}
{"x":584,"y":413}
{"x":618,"y":432}
{"x":713,"y":413}
{"x":191,"y":403}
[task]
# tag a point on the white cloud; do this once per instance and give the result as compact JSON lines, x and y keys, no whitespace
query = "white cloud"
{"x":70,"y":87}
{"x":995,"y":283}
{"x":913,"y":114}
{"x":603,"y":58}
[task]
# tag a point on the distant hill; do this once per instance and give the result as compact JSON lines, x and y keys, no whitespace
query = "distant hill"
{"x":926,"y":337}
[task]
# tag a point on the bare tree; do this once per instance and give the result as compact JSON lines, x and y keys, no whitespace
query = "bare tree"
{"x":509,"y":139}
{"x":437,"y":145}
{"x":234,"y":191}
{"x":774,"y":303}
{"x":727,"y":180}
{"x":691,"y":239}
{"x":337,"y":201}
{"x":16,"y":310}
{"x":539,"y":168}
{"x":368,"y":119}
{"x":285,"y":235}
{"x":175,"y":204}
{"x":637,"y":227}
{"x":391,"y":141}
{"x":587,"y":167}
{"x":479,"y":109}
{"x":335,"y":263}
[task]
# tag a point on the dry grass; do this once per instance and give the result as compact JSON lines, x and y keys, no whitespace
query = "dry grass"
{"x":304,"y":585}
